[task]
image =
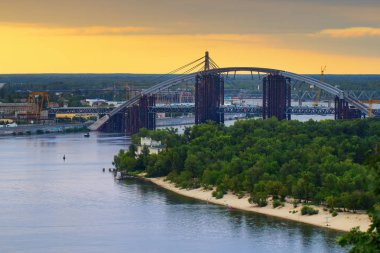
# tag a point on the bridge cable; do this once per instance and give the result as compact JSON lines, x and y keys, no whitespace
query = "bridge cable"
{"x":155,"y":80}
{"x":214,"y":63}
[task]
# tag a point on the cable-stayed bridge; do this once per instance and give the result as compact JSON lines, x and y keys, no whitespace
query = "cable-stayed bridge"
{"x":207,"y":80}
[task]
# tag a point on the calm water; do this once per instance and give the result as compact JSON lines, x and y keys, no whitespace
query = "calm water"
{"x":47,"y":205}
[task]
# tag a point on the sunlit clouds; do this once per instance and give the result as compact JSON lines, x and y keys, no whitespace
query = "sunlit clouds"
{"x":149,"y":36}
{"x":351,"y":32}
{"x":38,"y":29}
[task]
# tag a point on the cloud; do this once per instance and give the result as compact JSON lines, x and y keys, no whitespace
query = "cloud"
{"x":351,"y":32}
{"x":100,"y":30}
{"x":75,"y":31}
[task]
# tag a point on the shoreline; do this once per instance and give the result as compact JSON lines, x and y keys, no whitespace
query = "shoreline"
{"x":344,"y":221}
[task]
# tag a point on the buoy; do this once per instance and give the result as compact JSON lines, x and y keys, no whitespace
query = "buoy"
{"x":64,"y":157}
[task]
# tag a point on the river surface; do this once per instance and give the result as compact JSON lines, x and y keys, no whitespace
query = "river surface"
{"x":51,"y":205}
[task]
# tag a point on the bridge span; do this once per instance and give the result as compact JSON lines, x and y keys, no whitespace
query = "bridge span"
{"x":208,"y":83}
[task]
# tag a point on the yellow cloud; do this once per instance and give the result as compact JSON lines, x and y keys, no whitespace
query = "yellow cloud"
{"x":80,"y":31}
{"x":38,"y":49}
{"x":351,"y":32}
{"x":101,"y":30}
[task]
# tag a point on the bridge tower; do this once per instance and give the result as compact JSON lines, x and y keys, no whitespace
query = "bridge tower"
{"x":116,"y":124}
{"x":138,"y":116}
{"x":344,"y":111}
{"x":209,"y":96}
{"x":276,"y":96}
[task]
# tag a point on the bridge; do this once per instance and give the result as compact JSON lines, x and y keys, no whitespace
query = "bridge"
{"x":208,"y":80}
{"x":190,"y":108}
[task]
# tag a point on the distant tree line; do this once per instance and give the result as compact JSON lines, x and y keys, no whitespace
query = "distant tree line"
{"x":79,"y":86}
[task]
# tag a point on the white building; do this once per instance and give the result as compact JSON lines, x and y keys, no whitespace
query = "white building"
{"x":97,"y":101}
{"x":154,"y":146}
{"x":91,"y":102}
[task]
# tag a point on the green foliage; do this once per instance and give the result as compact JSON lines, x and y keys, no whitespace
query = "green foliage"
{"x":334,"y":213}
{"x":368,"y":241}
{"x":218,"y":194}
{"x":308,"y":210}
{"x":277,"y":203}
{"x":259,"y":198}
{"x":329,"y":162}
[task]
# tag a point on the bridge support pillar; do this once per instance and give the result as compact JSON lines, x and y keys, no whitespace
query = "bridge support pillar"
{"x":138,"y":116}
{"x":209,"y":96}
{"x":344,"y":111}
{"x":116,"y":124}
{"x":276,"y":96}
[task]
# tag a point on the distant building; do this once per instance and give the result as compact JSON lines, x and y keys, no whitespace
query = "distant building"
{"x":95,"y":101}
{"x":15,"y":108}
{"x":102,"y":102}
{"x":115,"y":103}
{"x":53,"y":104}
{"x":154,"y":146}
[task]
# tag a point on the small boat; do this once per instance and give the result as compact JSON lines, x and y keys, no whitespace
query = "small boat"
{"x":87,"y":135}
{"x":118,"y":175}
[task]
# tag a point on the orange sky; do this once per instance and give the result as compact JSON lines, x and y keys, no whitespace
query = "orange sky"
{"x":31,"y":44}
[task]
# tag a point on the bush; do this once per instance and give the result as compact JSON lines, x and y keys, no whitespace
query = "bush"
{"x":207,"y":187}
{"x":334,"y":213}
{"x":259,"y":198}
{"x":218,"y":194}
{"x":240,"y":195}
{"x":277,"y":203}
{"x":308,"y":210}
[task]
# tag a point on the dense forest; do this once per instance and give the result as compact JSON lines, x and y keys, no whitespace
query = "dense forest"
{"x":329,"y":162}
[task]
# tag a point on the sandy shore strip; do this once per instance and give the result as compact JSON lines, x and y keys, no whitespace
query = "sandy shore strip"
{"x":344,"y":221}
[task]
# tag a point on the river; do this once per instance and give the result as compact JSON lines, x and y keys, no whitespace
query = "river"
{"x":51,"y":205}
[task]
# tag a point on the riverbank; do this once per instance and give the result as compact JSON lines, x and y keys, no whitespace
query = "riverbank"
{"x":42,"y":129}
{"x":344,"y":221}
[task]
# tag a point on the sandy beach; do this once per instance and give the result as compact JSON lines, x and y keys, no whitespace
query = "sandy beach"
{"x":344,"y":221}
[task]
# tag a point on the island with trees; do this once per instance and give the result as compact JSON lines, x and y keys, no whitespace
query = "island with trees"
{"x":334,"y":165}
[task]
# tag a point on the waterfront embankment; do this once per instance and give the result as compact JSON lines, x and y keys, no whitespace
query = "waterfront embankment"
{"x":40,"y":129}
{"x":344,"y":221}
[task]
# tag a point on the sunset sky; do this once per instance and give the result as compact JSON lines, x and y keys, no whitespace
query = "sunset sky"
{"x":151,"y":36}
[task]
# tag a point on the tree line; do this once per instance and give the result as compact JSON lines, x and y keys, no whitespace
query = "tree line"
{"x":328,"y":162}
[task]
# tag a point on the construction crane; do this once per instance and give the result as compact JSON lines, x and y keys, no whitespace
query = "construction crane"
{"x":370,"y":103}
{"x":38,"y":100}
{"x":318,"y":95}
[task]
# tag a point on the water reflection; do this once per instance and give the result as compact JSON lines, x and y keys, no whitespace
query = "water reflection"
{"x":269,"y":234}
{"x":48,"y":205}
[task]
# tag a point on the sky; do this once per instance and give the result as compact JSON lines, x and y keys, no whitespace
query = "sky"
{"x":151,"y":36}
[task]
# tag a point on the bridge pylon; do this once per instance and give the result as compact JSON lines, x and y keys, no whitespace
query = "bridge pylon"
{"x":344,"y":111}
{"x":209,"y":96}
{"x":139,"y":116}
{"x":276,"y":96}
